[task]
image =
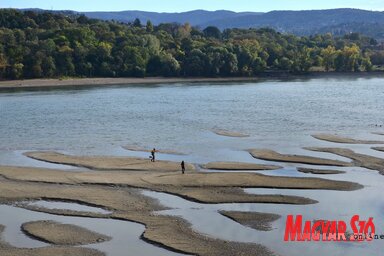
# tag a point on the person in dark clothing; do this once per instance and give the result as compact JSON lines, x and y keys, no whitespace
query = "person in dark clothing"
{"x":153,"y":155}
{"x":182,"y":167}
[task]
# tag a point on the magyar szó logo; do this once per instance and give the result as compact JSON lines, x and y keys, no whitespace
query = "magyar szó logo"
{"x":330,"y":230}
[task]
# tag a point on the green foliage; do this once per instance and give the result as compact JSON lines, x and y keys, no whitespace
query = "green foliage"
{"x":45,"y":44}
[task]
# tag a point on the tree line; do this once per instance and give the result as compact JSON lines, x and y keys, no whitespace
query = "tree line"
{"x":48,"y":45}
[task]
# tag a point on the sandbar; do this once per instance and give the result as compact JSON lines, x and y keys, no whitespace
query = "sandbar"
{"x":338,"y":139}
{"x":109,"y":162}
{"x":271,"y":155}
{"x":255,"y":220}
{"x":62,"y":234}
{"x":8,"y":250}
{"x":378,"y":148}
{"x":318,"y":171}
{"x":230,"y":133}
{"x":359,"y":160}
{"x":238,"y":166}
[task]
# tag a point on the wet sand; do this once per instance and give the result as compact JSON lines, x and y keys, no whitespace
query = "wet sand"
{"x":62,"y":234}
{"x":359,"y":160}
{"x":255,"y":220}
{"x":237,"y":166}
{"x":230,"y":133}
{"x":318,"y":171}
{"x":339,"y":139}
{"x":271,"y":155}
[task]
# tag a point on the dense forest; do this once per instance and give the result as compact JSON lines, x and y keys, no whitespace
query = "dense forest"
{"x":45,"y":45}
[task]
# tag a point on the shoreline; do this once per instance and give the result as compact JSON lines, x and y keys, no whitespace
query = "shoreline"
{"x":83,"y":82}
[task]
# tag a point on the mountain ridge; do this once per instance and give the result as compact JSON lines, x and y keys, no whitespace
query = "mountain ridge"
{"x":305,"y":22}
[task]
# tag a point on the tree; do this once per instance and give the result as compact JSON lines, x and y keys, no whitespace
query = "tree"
{"x":329,"y":55}
{"x":212,"y":31}
{"x":149,"y":26}
{"x":137,"y":23}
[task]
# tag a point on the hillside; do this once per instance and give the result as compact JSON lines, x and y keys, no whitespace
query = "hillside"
{"x":38,"y":44}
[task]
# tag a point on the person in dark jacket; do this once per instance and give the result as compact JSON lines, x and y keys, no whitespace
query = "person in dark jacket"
{"x":153,"y":155}
{"x":182,"y":167}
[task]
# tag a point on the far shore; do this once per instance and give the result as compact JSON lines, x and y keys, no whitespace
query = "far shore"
{"x":68,"y":82}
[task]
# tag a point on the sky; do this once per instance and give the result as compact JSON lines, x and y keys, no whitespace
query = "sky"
{"x":182,"y":5}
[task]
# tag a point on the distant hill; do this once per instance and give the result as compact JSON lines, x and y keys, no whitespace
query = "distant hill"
{"x":336,"y":21}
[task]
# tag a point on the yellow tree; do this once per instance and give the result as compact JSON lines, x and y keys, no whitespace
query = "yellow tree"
{"x":329,"y":56}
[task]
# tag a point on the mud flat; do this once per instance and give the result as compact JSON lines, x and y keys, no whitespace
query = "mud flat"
{"x":142,"y":149}
{"x":237,"y":166}
{"x":62,"y":234}
{"x":359,"y":160}
{"x":109,"y":163}
{"x":230,"y":133}
{"x":271,"y":155}
{"x":255,"y":220}
{"x":8,"y":250}
{"x":339,"y":139}
{"x":318,"y":171}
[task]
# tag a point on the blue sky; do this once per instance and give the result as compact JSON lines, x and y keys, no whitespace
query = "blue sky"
{"x":182,"y":5}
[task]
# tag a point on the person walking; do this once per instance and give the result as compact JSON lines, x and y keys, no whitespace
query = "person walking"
{"x":182,"y":167}
{"x":153,"y":155}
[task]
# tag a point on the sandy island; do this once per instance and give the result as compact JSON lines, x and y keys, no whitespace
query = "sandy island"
{"x":255,"y":220}
{"x":62,"y":234}
{"x":271,"y":155}
{"x":238,"y":166}
{"x":338,"y":139}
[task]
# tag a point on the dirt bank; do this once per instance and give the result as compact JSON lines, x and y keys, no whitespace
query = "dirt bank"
{"x":42,"y":83}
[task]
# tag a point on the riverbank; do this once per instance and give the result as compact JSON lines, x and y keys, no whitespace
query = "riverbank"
{"x":48,"y":83}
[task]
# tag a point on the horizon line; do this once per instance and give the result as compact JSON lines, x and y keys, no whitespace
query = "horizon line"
{"x":136,"y":10}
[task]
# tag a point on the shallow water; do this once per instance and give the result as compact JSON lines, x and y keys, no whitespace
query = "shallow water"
{"x":278,"y":115}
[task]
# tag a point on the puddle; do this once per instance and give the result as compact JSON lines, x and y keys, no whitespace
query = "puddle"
{"x":125,"y":235}
{"x":66,"y":206}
